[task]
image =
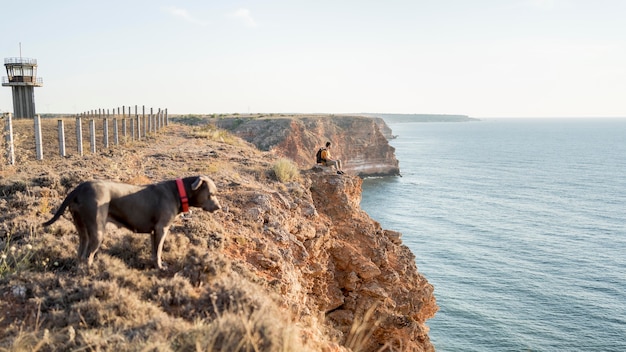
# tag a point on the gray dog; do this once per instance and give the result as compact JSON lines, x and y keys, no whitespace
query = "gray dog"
{"x":143,"y":209}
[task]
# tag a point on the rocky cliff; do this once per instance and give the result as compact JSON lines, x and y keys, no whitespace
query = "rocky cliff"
{"x":359,"y":141}
{"x":371,"y":270}
{"x":294,"y":266}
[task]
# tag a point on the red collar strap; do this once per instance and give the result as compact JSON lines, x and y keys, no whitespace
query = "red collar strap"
{"x":183,"y":195}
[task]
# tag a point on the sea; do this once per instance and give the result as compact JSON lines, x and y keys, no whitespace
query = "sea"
{"x":520,"y":226}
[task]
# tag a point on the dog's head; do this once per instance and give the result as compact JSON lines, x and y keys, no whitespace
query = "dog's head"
{"x":204,"y":194}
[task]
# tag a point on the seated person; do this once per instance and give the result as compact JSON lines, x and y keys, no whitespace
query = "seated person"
{"x":328,"y":160}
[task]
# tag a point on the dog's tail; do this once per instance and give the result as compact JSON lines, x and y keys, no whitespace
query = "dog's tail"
{"x":62,"y":208}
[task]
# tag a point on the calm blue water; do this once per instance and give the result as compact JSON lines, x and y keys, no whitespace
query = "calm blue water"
{"x":520,"y":225}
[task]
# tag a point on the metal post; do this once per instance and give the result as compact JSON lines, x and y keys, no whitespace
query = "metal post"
{"x":61,"y":138}
{"x":148,"y":123}
{"x":151,"y":118}
{"x":79,"y":135}
{"x":92,"y":132}
{"x":143,"y":120}
{"x":137,"y":122}
{"x":38,"y":147}
{"x":10,"y":147}
{"x":132,"y":129}
{"x":106,"y":132}
{"x":116,"y":137}
{"x":138,"y":127}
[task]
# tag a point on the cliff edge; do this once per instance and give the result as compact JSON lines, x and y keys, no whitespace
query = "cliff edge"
{"x":359,"y":141}
{"x":294,"y":266}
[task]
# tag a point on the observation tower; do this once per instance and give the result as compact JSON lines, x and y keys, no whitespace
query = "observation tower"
{"x":22,"y":77}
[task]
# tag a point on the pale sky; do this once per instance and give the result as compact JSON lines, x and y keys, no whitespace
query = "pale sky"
{"x":482,"y":58}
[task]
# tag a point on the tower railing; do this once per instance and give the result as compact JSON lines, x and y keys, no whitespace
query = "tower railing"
{"x":20,"y":60}
{"x":6,"y":80}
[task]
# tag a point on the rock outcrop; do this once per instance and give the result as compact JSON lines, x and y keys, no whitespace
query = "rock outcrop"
{"x":369,"y":269}
{"x":360,"y":142}
{"x":332,"y":263}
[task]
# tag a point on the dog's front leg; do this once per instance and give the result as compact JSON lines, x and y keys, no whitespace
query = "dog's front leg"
{"x":158,"y":238}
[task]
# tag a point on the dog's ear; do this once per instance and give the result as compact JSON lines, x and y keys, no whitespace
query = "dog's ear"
{"x":197,"y":183}
{"x":206,"y":180}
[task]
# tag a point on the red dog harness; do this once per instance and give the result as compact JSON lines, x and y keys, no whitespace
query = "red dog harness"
{"x":183,"y":195}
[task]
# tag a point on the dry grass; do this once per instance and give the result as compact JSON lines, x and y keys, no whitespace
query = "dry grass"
{"x":205,"y":301}
{"x":213,"y":133}
{"x":362,"y":329}
{"x":286,"y":170}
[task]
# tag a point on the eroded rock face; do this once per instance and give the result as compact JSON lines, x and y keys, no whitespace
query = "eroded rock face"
{"x":336,"y":268}
{"x":371,"y":271}
{"x":360,"y":142}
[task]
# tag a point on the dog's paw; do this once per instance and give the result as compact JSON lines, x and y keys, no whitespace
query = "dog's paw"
{"x":186,"y":216}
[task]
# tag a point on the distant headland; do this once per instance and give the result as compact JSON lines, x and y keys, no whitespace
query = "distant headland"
{"x":399,"y":118}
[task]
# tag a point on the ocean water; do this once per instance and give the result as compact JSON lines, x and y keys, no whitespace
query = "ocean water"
{"x":520,"y":225}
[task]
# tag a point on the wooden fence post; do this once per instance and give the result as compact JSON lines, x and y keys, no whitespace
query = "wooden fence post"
{"x":124,"y":130}
{"x":79,"y":135}
{"x":167,"y":119}
{"x":92,"y":132}
{"x":61,"y":138}
{"x":9,"y":138}
{"x":38,"y":147}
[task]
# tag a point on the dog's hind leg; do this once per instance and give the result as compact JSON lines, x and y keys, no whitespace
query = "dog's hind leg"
{"x":158,"y":238}
{"x":95,"y":236}
{"x":83,"y":242}
{"x":82,"y":221}
{"x":83,"y":237}
{"x":95,"y":233}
